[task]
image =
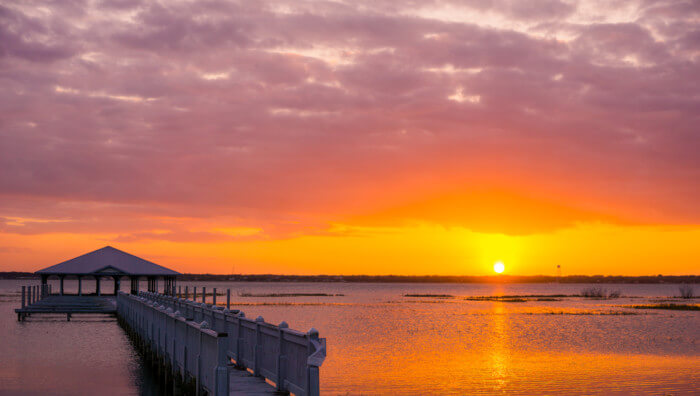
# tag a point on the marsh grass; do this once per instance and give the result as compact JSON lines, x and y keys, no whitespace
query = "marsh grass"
{"x":675,"y":307}
{"x":686,"y":291}
{"x":430,"y":295}
{"x":244,"y":294}
{"x":497,"y":298}
{"x":593,"y":313}
{"x":285,"y":304}
{"x":521,"y":297}
{"x":600,"y":293}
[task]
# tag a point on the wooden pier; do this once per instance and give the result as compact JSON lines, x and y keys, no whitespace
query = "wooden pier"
{"x":196,"y":348}
{"x":207,"y":349}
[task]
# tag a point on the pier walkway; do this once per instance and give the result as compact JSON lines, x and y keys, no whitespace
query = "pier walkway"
{"x":199,"y":348}
{"x":207,"y":349}
{"x":69,"y":305}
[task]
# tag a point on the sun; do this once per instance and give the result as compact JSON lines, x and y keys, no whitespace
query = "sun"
{"x":498,"y":267}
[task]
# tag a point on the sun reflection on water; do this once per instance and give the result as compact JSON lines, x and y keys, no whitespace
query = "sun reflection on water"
{"x":498,"y":341}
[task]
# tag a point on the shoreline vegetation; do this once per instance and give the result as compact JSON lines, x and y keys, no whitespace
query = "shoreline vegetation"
{"x":674,"y":279}
{"x":674,"y":307}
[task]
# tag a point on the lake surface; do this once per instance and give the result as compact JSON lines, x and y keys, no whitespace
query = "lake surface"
{"x":383,"y":342}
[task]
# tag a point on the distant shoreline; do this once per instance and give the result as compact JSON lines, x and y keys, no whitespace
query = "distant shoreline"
{"x":417,"y":278}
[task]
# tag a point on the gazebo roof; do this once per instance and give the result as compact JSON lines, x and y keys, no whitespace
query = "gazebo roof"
{"x":108,"y":261}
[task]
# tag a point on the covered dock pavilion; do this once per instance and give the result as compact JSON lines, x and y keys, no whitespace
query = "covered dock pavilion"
{"x":109,"y":262}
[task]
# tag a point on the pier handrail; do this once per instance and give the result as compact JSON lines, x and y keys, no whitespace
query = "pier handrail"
{"x":289,"y":358}
{"x":33,"y":293}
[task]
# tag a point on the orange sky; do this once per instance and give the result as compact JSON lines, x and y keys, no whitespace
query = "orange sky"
{"x":413,"y":248}
{"x":357,"y":138}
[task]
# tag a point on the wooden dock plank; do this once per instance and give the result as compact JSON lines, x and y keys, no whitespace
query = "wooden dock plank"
{"x":242,"y":382}
{"x":71,"y":304}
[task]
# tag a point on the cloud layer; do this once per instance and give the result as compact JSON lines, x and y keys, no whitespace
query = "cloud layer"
{"x":175,"y":119}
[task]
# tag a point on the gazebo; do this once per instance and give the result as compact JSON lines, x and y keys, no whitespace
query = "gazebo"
{"x":109,"y":262}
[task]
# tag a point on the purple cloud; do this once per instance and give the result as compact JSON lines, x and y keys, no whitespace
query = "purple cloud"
{"x":307,"y":112}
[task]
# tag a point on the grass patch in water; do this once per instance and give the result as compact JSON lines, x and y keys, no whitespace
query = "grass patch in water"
{"x":430,"y":295}
{"x":496,"y":298}
{"x":600,"y":293}
{"x":244,"y":294}
{"x":592,"y":313}
{"x":675,"y":307}
{"x":521,"y":297}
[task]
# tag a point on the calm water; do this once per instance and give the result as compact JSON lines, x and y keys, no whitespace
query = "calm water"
{"x":381,"y":342}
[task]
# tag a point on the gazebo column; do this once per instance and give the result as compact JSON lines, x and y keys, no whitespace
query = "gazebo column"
{"x":117,"y":285}
{"x":61,"y":277}
{"x":134,"y":284}
{"x":80,"y":285}
{"x":97,"y":281}
{"x":44,"y":285}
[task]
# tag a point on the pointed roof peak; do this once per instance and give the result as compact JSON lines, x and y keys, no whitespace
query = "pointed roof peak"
{"x":108,"y":256}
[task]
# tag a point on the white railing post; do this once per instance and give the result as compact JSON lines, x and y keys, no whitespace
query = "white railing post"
{"x":281,"y":359}
{"x":240,"y":341}
{"x":317,"y":353}
{"x":257,"y":352}
{"x":221,"y":376}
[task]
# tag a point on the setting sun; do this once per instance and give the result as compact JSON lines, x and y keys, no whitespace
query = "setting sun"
{"x":499,"y":267}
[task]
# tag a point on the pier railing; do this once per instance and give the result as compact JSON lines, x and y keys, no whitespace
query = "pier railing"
{"x":202,"y":341}
{"x":34,"y":293}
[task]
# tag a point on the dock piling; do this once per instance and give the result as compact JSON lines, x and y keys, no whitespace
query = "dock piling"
{"x":214,"y":298}
{"x":204,"y":294}
{"x":228,"y":299}
{"x":24,"y":303}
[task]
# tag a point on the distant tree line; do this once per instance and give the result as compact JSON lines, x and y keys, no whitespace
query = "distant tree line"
{"x":418,"y":279}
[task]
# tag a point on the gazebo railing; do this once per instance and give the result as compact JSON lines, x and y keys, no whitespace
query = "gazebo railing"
{"x":34,"y":293}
